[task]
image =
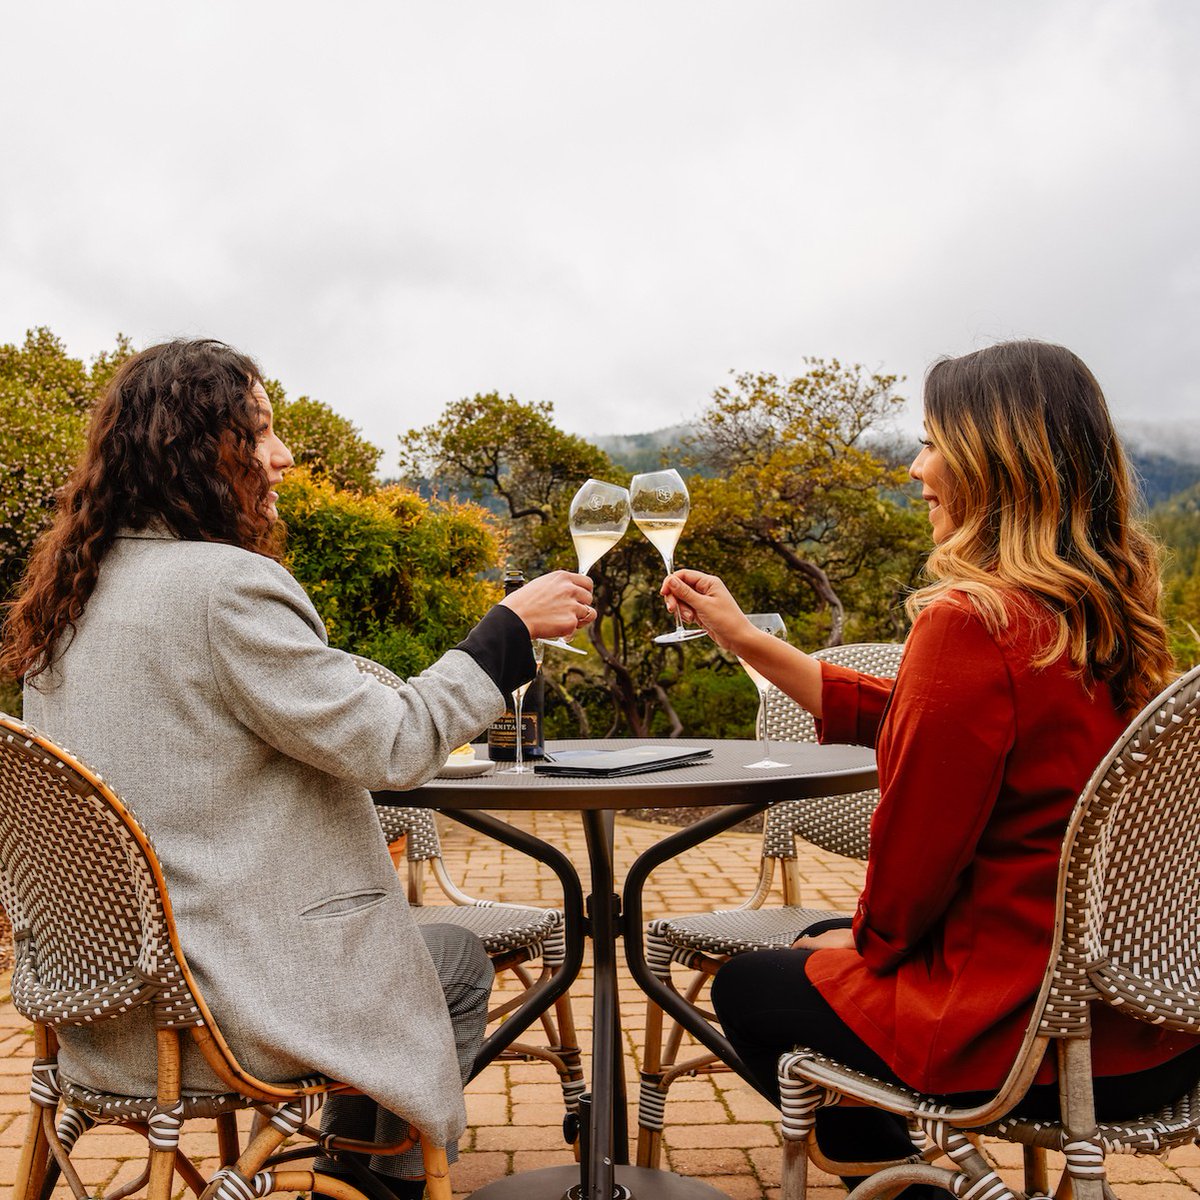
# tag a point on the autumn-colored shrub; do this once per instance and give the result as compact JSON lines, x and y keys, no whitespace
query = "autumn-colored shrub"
{"x":395,"y":577}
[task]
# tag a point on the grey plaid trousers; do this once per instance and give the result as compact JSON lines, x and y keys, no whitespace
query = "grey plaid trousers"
{"x":465,"y":972}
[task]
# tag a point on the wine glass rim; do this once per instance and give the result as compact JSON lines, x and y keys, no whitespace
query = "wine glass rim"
{"x":616,"y":501}
{"x":641,"y":475}
{"x":649,"y":482}
{"x":596,"y":484}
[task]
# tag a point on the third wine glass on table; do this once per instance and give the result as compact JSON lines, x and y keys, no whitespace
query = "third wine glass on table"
{"x":598,"y":519}
{"x":771,"y":623}
{"x":659,"y":502}
{"x":519,"y":768}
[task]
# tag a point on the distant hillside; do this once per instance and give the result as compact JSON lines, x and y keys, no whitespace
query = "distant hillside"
{"x":1165,"y":455}
{"x":1162,"y":477}
{"x":1165,"y":458}
{"x":640,"y":451}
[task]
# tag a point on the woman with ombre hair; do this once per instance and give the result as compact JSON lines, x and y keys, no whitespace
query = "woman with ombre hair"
{"x":1036,"y":641}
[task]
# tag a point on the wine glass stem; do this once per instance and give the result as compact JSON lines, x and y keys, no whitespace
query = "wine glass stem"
{"x":764,"y":737}
{"x":766,"y":742}
{"x":668,"y":560}
{"x":518,"y":705}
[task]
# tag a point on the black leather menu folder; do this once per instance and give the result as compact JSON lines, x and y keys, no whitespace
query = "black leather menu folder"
{"x":604,"y":764}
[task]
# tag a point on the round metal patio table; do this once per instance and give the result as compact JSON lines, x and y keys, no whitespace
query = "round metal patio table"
{"x":722,"y":782}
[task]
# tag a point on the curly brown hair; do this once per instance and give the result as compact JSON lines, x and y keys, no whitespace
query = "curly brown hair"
{"x":171,"y":440}
{"x":1043,"y":497}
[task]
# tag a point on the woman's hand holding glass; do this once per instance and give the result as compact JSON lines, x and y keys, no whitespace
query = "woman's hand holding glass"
{"x":705,"y":600}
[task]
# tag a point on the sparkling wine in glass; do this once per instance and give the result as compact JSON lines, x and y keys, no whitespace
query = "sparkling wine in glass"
{"x":519,"y":767}
{"x":659,"y":502}
{"x":598,"y":520}
{"x":599,"y":516}
{"x":771,"y":623}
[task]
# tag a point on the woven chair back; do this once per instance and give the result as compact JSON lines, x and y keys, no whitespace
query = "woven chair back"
{"x":1129,"y":885}
{"x":415,"y":823}
{"x":82,"y":888}
{"x":838,"y":823}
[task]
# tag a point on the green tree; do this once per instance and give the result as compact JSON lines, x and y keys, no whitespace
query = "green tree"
{"x":45,"y":396}
{"x":512,"y":457}
{"x":1177,"y":523}
{"x":325,"y":442}
{"x":789,"y":502}
{"x":394,"y":577}
{"x":800,"y":506}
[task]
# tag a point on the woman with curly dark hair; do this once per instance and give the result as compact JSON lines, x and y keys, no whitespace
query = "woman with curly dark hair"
{"x":161,"y":640}
{"x":1037,"y":640}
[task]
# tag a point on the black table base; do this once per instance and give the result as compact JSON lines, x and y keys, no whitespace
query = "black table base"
{"x":605,"y":918}
{"x":555,"y":1183}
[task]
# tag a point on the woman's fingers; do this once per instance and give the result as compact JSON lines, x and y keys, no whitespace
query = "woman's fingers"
{"x":704,"y":600}
{"x":688,"y":585}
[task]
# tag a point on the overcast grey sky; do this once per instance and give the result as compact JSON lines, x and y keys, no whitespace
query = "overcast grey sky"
{"x":392,"y":205}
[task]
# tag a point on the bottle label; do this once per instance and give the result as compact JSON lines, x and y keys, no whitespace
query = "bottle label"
{"x":502,"y":742}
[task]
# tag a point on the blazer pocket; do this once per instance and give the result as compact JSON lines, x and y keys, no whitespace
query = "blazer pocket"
{"x":343,"y":905}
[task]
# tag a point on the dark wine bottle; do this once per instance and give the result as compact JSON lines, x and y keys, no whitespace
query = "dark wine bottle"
{"x":502,"y":733}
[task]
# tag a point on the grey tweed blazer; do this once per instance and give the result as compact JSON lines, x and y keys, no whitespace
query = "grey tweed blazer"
{"x":200,"y":683}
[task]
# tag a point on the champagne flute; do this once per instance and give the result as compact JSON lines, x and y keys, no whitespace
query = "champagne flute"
{"x":598,"y":518}
{"x":659,"y":502}
{"x":519,"y":767}
{"x":771,"y":623}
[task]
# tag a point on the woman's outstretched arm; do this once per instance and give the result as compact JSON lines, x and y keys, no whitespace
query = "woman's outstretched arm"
{"x":705,"y":600}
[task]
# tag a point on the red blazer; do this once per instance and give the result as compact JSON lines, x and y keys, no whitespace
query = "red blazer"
{"x":981,"y":760}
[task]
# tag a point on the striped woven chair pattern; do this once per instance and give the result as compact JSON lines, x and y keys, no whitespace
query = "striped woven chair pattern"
{"x":1125,"y":934}
{"x":701,"y":942}
{"x":512,"y":934}
{"x":95,"y":938}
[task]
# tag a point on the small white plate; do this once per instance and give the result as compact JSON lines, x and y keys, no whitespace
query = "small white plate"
{"x":464,"y":768}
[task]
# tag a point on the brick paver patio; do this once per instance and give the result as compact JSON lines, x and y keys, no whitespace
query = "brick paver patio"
{"x":718,"y":1129}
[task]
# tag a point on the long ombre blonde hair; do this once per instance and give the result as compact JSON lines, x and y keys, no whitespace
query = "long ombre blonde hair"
{"x":1042,"y":496}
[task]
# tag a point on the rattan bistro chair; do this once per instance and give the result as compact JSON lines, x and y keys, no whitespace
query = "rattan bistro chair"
{"x":512,"y":934}
{"x":1125,"y":934}
{"x":95,"y":938}
{"x":701,"y":942}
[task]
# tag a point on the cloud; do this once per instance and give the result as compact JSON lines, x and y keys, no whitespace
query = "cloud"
{"x":394,"y":206}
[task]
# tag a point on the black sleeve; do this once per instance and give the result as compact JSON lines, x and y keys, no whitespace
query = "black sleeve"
{"x":500,"y":644}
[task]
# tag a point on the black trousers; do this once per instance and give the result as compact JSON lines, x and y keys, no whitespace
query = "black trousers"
{"x":767,"y":1006}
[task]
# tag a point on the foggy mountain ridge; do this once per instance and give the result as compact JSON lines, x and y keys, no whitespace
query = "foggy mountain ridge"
{"x":1165,"y":454}
{"x":1177,"y":440}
